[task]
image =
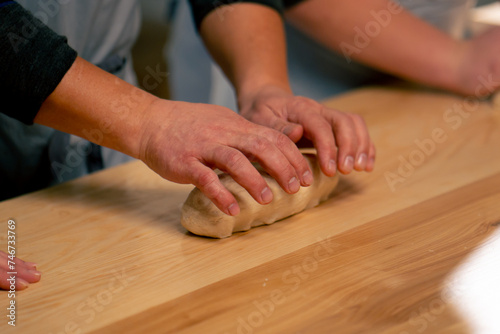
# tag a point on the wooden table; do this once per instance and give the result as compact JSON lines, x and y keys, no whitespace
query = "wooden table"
{"x":392,"y":252}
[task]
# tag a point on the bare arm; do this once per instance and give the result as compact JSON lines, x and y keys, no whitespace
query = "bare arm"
{"x":389,"y":38}
{"x":247,"y":40}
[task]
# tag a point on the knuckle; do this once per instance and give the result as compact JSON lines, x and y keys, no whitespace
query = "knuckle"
{"x":234,"y":160}
{"x":357,"y":117}
{"x":323,"y":125}
{"x":205,"y":178}
{"x":304,"y":102}
{"x":282,"y":141}
{"x":325,"y":110}
{"x":362,"y":142}
{"x":259,"y":144}
{"x":330,"y":113}
{"x":208,"y":184}
{"x":254,"y":184}
{"x":348,"y":144}
{"x":346,"y":131}
{"x":285,"y":172}
{"x":349,"y":121}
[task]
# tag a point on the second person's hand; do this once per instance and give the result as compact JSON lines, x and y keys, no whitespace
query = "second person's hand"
{"x":341,"y":139}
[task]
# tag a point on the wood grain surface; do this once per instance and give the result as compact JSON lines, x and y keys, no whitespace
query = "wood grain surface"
{"x":379,"y":257}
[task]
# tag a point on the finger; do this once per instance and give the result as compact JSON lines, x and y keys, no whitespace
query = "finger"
{"x":319,"y":131}
{"x":6,"y":262}
{"x":31,"y":265}
{"x":9,"y":282}
{"x":293,"y":131}
{"x":17,"y":260}
{"x":293,"y":155}
{"x":364,"y":143}
{"x":20,"y":268}
{"x":209,"y":184}
{"x":242,"y":171}
{"x":19,"y":280}
{"x":270,"y":157}
{"x":29,"y":275}
{"x":346,"y":139}
{"x":371,"y":158}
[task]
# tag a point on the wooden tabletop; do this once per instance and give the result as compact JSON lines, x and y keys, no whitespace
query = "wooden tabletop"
{"x":408,"y":248}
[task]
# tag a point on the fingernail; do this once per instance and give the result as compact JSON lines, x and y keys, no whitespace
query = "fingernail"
{"x":361,"y":163}
{"x":35,"y":273}
{"x":348,"y":164}
{"x":308,"y":178}
{"x":293,"y":185}
{"x":233,"y":209}
{"x":266,"y":195}
{"x":332,"y":166}
{"x":21,"y":284}
{"x":31,"y":264}
{"x":287,"y":130}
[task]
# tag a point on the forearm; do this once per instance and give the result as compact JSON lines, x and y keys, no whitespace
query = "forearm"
{"x":43,"y":83}
{"x":248,"y":43}
{"x":97,"y":106}
{"x":396,"y":41}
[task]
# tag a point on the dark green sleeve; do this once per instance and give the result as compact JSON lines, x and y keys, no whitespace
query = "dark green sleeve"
{"x":34,"y":59}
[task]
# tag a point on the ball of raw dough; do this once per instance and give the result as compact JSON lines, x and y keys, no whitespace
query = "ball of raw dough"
{"x":200,"y":216}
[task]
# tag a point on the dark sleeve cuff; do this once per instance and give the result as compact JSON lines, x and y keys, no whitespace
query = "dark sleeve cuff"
{"x":291,"y":3}
{"x":34,"y":61}
{"x":201,"y":8}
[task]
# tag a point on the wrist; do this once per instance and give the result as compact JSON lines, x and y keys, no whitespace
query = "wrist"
{"x":451,"y":74}
{"x":248,"y":95}
{"x":156,"y":121}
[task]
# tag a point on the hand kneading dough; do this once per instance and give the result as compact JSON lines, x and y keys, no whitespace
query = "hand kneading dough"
{"x":200,"y":216}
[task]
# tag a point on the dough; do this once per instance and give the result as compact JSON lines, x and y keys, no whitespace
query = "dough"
{"x":200,"y":216}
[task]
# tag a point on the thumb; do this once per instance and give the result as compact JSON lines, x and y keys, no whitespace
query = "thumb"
{"x":291,"y":130}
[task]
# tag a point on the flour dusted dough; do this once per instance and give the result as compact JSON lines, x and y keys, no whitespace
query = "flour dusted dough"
{"x":200,"y":216}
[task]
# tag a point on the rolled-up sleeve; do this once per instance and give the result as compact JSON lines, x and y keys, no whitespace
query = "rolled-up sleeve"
{"x":34,"y":59}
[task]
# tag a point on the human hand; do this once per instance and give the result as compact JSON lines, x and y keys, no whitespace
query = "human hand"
{"x":479,"y":65}
{"x":341,"y":139}
{"x":184,"y":142}
{"x":26,"y":272}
